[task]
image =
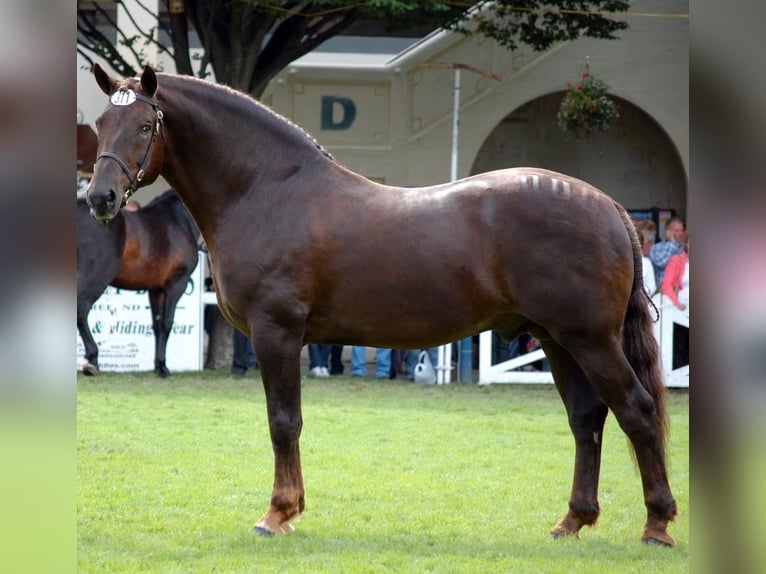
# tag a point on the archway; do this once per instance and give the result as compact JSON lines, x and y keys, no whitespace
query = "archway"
{"x":635,"y":161}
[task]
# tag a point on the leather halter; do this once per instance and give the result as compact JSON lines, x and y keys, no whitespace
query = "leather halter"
{"x":136,"y":179}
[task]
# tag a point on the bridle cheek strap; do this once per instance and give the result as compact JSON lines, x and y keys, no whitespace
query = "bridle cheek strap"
{"x":136,"y":179}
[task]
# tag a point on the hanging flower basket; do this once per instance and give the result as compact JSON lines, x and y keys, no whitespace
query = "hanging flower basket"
{"x":586,"y":107}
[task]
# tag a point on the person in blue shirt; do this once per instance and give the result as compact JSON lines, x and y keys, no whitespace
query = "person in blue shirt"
{"x":675,"y":239}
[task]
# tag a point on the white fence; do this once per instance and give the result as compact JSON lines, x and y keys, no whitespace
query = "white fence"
{"x":506,"y":372}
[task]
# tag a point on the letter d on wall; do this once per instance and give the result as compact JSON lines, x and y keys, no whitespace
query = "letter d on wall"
{"x":333,"y":104}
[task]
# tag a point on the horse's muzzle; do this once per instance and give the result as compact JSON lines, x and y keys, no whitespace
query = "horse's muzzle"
{"x":104,"y":205}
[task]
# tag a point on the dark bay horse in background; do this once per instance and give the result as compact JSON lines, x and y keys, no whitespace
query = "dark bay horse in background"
{"x":154,"y":248}
{"x":303,"y":250}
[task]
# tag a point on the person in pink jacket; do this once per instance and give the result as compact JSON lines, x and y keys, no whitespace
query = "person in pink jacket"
{"x":675,"y":282}
{"x":675,"y":285}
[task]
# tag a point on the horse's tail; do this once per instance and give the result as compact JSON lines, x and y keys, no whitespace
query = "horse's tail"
{"x":638,"y":340}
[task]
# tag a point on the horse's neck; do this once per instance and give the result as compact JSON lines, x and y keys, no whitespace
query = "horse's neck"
{"x":224,"y":147}
{"x":231,"y":133}
{"x":234,"y":140}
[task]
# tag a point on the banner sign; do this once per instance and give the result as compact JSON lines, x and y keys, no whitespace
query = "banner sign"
{"x":121,"y":323}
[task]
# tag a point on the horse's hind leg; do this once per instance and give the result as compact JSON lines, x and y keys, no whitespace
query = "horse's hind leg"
{"x":610,"y":374}
{"x":587,"y":414}
{"x":163,"y":303}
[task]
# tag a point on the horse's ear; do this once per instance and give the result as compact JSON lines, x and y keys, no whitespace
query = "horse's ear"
{"x":107,"y":84}
{"x":149,"y":81}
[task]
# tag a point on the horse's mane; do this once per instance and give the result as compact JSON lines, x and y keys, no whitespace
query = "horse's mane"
{"x":241,"y":98}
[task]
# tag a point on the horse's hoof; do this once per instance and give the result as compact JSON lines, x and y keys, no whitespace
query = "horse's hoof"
{"x":262,"y":531}
{"x":655,"y":533}
{"x":567,"y":526}
{"x":162,"y":372}
{"x":662,"y":540}
{"x":558,"y":535}
{"x":90,"y":370}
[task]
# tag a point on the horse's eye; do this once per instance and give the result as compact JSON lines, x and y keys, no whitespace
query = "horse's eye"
{"x":145,"y":129}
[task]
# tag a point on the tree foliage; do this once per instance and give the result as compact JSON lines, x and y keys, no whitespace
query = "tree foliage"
{"x":247,"y":42}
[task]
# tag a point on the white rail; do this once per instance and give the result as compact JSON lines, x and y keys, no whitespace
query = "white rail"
{"x":506,"y":372}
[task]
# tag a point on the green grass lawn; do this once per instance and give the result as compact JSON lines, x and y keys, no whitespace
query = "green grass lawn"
{"x":400,"y":477}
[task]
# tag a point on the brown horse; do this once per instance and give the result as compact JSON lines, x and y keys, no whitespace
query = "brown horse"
{"x":154,"y":248}
{"x":305,"y":251}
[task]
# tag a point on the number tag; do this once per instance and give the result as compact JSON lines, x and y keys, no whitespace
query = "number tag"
{"x":123,"y":97}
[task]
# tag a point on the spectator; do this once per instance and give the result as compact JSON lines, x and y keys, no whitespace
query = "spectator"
{"x":648,"y":230}
{"x":336,"y":362}
{"x":519,"y":346}
{"x":210,"y":310}
{"x":541,"y":365}
{"x":523,"y":344}
{"x":319,"y":355}
{"x":675,"y":286}
{"x":242,"y":354}
{"x":359,"y":362}
{"x":650,"y":285}
{"x":675,"y":237}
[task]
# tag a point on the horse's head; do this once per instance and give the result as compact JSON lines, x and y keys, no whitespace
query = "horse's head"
{"x":130,"y":150}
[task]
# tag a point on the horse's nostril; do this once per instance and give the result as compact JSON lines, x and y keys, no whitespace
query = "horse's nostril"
{"x":111,"y":198}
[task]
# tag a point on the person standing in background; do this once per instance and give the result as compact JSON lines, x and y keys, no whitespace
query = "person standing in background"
{"x":359,"y":362}
{"x":675,"y":286}
{"x":646,"y":233}
{"x":318,"y":357}
{"x":336,"y":359}
{"x":675,"y":239}
{"x":242,"y":356}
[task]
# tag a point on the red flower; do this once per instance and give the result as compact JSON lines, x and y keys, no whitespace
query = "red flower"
{"x":579,"y":87}
{"x":569,"y":85}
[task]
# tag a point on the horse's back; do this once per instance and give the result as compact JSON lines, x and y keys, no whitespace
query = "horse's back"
{"x":458,"y":257}
{"x":531,"y":222}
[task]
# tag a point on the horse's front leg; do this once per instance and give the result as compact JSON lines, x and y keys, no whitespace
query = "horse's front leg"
{"x":279,"y":360}
{"x":91,"y":348}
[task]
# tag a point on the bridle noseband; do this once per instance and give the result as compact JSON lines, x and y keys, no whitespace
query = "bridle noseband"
{"x":120,"y":98}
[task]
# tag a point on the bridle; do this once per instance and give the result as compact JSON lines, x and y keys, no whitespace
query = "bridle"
{"x":124,"y":97}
